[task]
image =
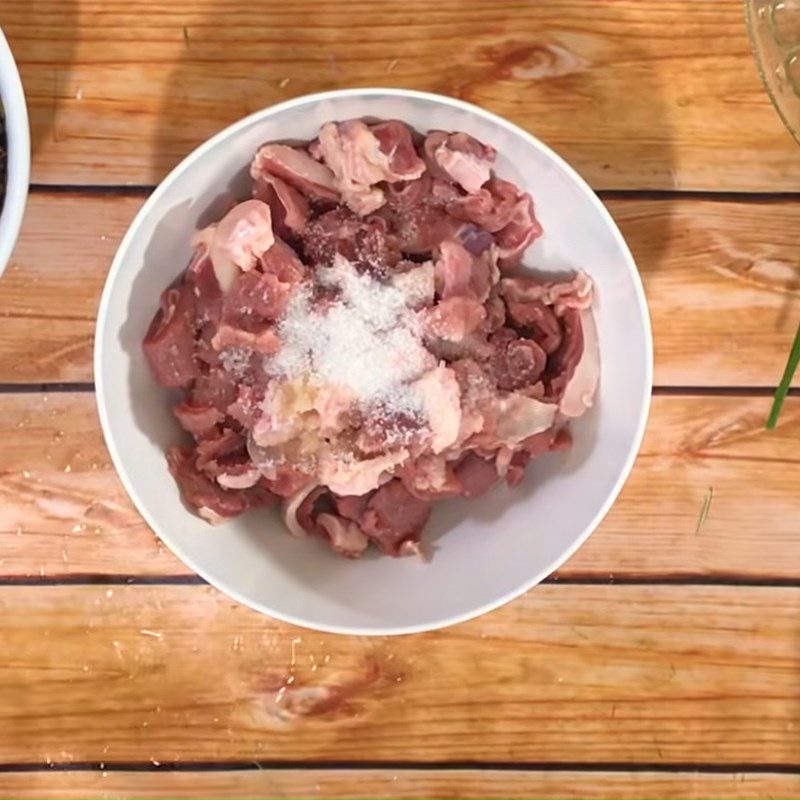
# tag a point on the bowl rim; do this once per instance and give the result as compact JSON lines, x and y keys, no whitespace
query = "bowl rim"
{"x":18,"y":152}
{"x":232,"y":591}
{"x":757,"y":47}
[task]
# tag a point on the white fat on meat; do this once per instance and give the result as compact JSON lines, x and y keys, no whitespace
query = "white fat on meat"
{"x":289,"y":509}
{"x":466,"y":169}
{"x":440,"y":396}
{"x":519,"y":417}
{"x":575,"y":293}
{"x":235,"y":243}
{"x":244,"y":480}
{"x":350,"y":476}
{"x":287,"y":409}
{"x":345,"y":536}
{"x":354,"y":155}
{"x":211,"y":516}
{"x":411,"y":548}
{"x":297,"y":168}
{"x":579,"y":394}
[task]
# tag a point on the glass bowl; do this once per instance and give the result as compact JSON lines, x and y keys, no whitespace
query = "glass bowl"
{"x":774,"y":27}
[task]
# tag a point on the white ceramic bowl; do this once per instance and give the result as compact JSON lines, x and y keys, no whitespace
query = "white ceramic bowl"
{"x":487,"y":551}
{"x":18,"y":147}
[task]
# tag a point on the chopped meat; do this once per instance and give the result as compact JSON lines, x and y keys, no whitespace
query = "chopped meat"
{"x":538,"y":322}
{"x":376,"y":249}
{"x":453,"y":319}
{"x":562,"y":363}
{"x":417,"y":281}
{"x":515,"y":363}
{"x":265,"y":341}
{"x":285,"y":480}
{"x":213,"y":388}
{"x":430,"y":477}
{"x":516,"y":418}
{"x":384,"y":428}
{"x":344,"y":340}
{"x":297,"y":509}
{"x":206,"y":496}
{"x":546,"y":441}
{"x":408,"y":194}
{"x":352,"y":153}
{"x":514,"y":238}
{"x":476,"y":240}
{"x":214,"y":454}
{"x":482,"y":276}
{"x":357,"y":476}
{"x":495,"y":311}
{"x":439,"y":392}
{"x":350,"y":506}
{"x":393,"y":515}
{"x":297,"y":168}
{"x":397,"y":144}
{"x":169,"y":342}
{"x":575,"y":293}
{"x":367,"y":243}
{"x":245,"y":409}
{"x":205,"y":286}
{"x":255,"y":299}
{"x":491,"y":208}
{"x":418,"y":217}
{"x":237,"y":241}
{"x":238,"y":473}
{"x":360,"y":157}
{"x":290,"y":208}
{"x":282,"y":261}
{"x":345,"y":536}
{"x":453,"y":270}
{"x":579,"y":392}
{"x":475,"y":475}
{"x":459,"y":158}
{"x":198,"y":420}
{"x":465,"y":169}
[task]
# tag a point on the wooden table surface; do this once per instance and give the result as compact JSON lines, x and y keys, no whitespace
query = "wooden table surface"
{"x":662,"y":660}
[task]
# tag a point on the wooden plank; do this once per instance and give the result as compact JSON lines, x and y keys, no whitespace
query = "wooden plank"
{"x":721,"y":279}
{"x":636,"y":94}
{"x":51,"y":289}
{"x":722,"y":284}
{"x":576,"y":674}
{"x":402,"y":783}
{"x":78,"y":522}
{"x":63,"y":511}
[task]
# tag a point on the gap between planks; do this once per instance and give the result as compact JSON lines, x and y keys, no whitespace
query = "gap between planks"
{"x":100,"y":579}
{"x":143,"y":190}
{"x":87,"y":387}
{"x":399,"y":766}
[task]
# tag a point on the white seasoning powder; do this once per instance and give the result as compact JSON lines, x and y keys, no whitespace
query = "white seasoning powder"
{"x":367,"y":340}
{"x":235,"y":360}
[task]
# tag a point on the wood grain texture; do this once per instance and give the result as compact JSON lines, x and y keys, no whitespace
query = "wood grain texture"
{"x":51,"y":289}
{"x":721,"y":278}
{"x":576,"y":674}
{"x":64,"y":512}
{"x":635,"y":93}
{"x":366,"y":784}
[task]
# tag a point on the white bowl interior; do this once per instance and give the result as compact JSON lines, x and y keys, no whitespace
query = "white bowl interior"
{"x":18,"y":153}
{"x":485,"y":551}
